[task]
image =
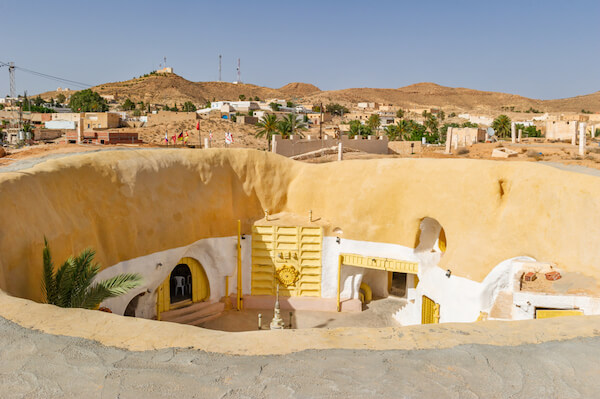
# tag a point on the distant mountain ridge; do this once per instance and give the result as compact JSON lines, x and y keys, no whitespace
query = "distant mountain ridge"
{"x":171,"y":88}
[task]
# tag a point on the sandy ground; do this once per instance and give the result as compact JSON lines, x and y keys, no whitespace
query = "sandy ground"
{"x":38,"y":365}
{"x":378,"y":313}
{"x":562,"y":155}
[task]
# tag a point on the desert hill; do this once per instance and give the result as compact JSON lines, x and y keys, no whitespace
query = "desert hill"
{"x":171,"y":88}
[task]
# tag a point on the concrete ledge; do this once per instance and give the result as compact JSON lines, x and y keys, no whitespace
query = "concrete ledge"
{"x":141,"y":334}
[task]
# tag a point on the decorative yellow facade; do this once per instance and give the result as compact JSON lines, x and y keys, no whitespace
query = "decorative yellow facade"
{"x":290,"y":255}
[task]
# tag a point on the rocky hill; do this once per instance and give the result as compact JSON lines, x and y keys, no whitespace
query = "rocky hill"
{"x":171,"y":88}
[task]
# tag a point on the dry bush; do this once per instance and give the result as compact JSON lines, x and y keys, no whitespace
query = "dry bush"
{"x":595,"y":150}
{"x":523,"y":150}
{"x":462,"y":151}
{"x":535,"y":155}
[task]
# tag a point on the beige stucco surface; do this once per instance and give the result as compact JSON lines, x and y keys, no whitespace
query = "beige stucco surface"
{"x":130,"y":204}
{"x":140,"y":334}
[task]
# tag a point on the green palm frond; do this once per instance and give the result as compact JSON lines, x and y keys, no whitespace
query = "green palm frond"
{"x":71,"y":286}
{"x":94,"y":296}
{"x":48,"y":282}
{"x":122,"y":283}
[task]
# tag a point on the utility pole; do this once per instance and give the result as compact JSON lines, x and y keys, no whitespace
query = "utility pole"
{"x":220,"y":67}
{"x":14,"y":123}
{"x":321,"y":122}
{"x":239,"y":72}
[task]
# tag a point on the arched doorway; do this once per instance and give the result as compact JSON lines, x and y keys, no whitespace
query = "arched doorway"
{"x":180,"y":283}
{"x":187,"y":283}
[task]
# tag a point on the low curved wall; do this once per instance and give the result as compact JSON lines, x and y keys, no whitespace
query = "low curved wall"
{"x":131,"y":204}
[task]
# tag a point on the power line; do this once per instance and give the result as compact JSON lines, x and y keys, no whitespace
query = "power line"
{"x":47,"y":76}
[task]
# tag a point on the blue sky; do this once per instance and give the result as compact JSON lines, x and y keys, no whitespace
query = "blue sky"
{"x":539,"y":49}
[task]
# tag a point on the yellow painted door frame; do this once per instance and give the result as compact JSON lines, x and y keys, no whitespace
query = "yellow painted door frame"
{"x":200,"y":286}
{"x":369,"y":262}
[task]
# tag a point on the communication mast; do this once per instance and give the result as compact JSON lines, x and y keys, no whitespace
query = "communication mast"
{"x":239,"y":72}
{"x":220,"y":67}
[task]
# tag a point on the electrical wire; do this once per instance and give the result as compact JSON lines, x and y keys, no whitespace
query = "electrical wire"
{"x":47,"y":76}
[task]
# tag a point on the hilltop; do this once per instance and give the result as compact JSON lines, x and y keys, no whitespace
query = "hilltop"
{"x":172,"y":88}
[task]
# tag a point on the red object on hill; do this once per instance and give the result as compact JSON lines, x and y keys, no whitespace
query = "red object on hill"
{"x":553,"y":276}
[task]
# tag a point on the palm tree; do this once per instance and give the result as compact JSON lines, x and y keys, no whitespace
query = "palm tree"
{"x":403,"y":128}
{"x":391,"y":131}
{"x":290,"y":124}
{"x":71,"y":286}
{"x":268,"y":127}
{"x":501,"y":125}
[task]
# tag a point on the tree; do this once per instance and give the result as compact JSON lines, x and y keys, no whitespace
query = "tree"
{"x":127,"y":105}
{"x":336,"y":109}
{"x":72,"y":285}
{"x":289,"y":125}
{"x":400,"y":113}
{"x":374,"y":121}
{"x":174,"y":108}
{"x":532,"y":131}
{"x":1,"y":107}
{"x":39,"y":101}
{"x":289,"y":104}
{"x":61,"y":98}
{"x":316,"y":108}
{"x":501,"y":126}
{"x":87,"y":101}
{"x":391,"y":131}
{"x":267,"y":127}
{"x":242,"y":97}
{"x":442,"y":115}
{"x":207,"y":105}
{"x":431,"y":123}
{"x":274,"y":106}
{"x":256,"y":98}
{"x":188,"y":106}
{"x":357,"y":128}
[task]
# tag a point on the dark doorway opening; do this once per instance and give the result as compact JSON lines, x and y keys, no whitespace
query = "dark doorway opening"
{"x":398,"y":285}
{"x":181,"y":284}
{"x":132,"y":305}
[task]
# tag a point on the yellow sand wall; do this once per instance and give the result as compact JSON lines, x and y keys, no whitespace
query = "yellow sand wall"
{"x":127,"y":204}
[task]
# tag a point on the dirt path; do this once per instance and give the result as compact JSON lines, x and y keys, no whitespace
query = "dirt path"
{"x":38,"y":365}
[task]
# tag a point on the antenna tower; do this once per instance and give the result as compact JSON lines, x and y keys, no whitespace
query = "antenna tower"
{"x":239,"y":72}
{"x":220,"y":67}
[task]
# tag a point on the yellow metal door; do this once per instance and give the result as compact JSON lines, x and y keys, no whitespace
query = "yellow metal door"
{"x":163,"y":298}
{"x":200,"y":285}
{"x":430,"y":311}
{"x":549,"y":313}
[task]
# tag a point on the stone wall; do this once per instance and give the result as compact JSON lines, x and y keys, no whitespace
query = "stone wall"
{"x":405,"y":147}
{"x":295,"y":145}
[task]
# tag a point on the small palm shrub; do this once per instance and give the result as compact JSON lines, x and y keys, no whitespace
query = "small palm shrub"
{"x":71,"y":286}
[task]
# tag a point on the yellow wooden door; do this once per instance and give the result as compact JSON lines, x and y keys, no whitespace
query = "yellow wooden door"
{"x":430,"y":311}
